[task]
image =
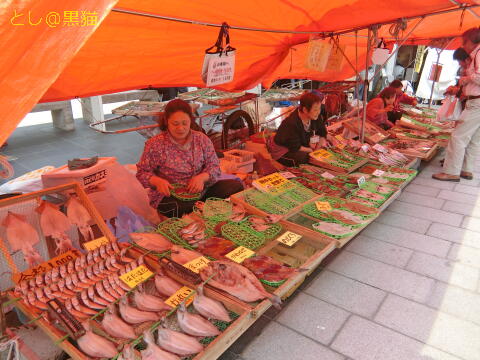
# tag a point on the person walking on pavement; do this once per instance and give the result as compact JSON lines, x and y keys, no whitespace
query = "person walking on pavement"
{"x":464,"y":144}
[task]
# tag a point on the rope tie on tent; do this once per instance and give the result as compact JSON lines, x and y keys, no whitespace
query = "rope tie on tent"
{"x":399,"y":27}
{"x":462,"y":15}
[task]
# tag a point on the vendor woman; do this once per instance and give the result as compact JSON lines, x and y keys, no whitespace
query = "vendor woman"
{"x":181,"y":155}
{"x":300,"y":133}
{"x":378,"y":107}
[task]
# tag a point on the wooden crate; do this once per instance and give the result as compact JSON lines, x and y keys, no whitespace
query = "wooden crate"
{"x":26,"y":205}
{"x":211,"y":351}
{"x":427,"y":156}
{"x":373,"y":133}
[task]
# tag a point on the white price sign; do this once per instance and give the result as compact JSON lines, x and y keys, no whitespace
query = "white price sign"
{"x":378,"y":172}
{"x":327,"y":175}
{"x":221,"y":70}
{"x":361,"y":181}
{"x":365,"y":147}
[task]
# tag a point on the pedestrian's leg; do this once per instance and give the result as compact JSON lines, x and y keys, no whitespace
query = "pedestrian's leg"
{"x":473,"y":148}
{"x":458,"y":142}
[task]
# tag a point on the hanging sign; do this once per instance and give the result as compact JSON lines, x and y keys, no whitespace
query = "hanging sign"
{"x":221,"y":69}
{"x":318,"y":54}
{"x":336,"y":58}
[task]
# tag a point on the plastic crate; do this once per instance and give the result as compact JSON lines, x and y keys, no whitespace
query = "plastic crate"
{"x":232,"y":167}
{"x":238,"y":156}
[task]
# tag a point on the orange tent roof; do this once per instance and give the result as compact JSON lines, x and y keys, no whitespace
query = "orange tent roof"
{"x":127,"y":51}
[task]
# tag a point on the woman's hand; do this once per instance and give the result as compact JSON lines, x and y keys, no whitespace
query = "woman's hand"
{"x":197,"y":183}
{"x":306,"y":149}
{"x":162,"y":185}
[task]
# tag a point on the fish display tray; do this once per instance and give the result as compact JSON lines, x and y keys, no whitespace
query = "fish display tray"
{"x":25,"y":205}
{"x":373,"y":133}
{"x":213,"y":347}
{"x":348,"y":168}
{"x":427,"y":156}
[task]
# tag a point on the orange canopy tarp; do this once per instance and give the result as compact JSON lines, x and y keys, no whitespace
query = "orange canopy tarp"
{"x":129,"y":51}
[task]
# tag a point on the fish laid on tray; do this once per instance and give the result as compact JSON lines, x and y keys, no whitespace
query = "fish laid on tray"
{"x":332,"y":228}
{"x":236,"y":280}
{"x":152,"y":241}
{"x":266,"y":268}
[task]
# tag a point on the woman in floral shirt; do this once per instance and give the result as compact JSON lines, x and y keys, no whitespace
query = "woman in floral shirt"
{"x":184,"y":156}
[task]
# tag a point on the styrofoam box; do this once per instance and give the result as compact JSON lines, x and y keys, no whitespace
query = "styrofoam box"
{"x":232,"y":167}
{"x":87,"y":178}
{"x":238,"y":156}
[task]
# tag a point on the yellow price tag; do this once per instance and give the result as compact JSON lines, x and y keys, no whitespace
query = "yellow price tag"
{"x":45,"y":266}
{"x":136,"y":276}
{"x":323,"y":205}
{"x":239,"y":254}
{"x":322,"y":153}
{"x":342,"y":141}
{"x":289,"y":238}
{"x":177,"y":298}
{"x":92,"y":245}
{"x":197,"y":264}
{"x":272,"y":183}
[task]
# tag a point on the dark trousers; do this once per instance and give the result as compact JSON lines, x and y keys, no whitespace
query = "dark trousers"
{"x":172,"y":207}
{"x":393,"y":116}
{"x":294,"y":158}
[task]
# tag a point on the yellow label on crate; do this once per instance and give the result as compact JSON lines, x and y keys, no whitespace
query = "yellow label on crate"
{"x":342,"y":141}
{"x":177,"y":298}
{"x":197,"y":264}
{"x":322,"y":153}
{"x":45,"y":266}
{"x":136,"y":276}
{"x":273,"y":183}
{"x":289,"y":238}
{"x":323,"y":205}
{"x":239,"y":254}
{"x":92,"y":245}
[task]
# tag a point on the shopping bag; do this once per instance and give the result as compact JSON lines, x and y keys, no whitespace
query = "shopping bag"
{"x":450,"y":110}
{"x":318,"y":54}
{"x":380,"y":53}
{"x":219,"y":60}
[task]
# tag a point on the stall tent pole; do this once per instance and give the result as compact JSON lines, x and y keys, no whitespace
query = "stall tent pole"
{"x":439,"y":52}
{"x":365,"y":87}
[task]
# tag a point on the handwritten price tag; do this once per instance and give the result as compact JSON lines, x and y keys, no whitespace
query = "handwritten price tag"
{"x":92,"y":245}
{"x":177,"y":298}
{"x":323,"y":205}
{"x":289,"y":238}
{"x":197,"y":264}
{"x":136,"y":276}
{"x":327,"y":175}
{"x":378,"y":172}
{"x":45,"y":266}
{"x":273,"y":183}
{"x":322,"y":153}
{"x":287,"y":175}
{"x":342,"y":141}
{"x":239,"y":254}
{"x":361,"y":181}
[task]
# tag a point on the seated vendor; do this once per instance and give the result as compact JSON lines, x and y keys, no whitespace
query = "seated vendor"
{"x":401,"y":98}
{"x":181,"y":155}
{"x":300,"y":133}
{"x":378,"y":107}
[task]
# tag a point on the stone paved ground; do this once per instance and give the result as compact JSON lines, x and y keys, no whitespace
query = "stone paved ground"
{"x":406,"y":288}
